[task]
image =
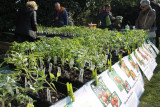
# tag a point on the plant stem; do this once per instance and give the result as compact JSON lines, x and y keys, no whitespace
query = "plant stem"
{"x":50,"y":86}
{"x":3,"y":103}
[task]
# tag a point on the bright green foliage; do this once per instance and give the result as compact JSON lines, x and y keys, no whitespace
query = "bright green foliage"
{"x":70,"y":91}
{"x":88,"y":45}
{"x":10,"y":91}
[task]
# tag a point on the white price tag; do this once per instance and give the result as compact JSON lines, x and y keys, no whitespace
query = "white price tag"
{"x":50,"y":67}
{"x":81,"y":75}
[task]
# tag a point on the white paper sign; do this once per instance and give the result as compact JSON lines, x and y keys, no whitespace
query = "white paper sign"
{"x":131,"y":73}
{"x":112,"y":91}
{"x":142,"y":64}
{"x":150,"y":49}
{"x":133,"y":65}
{"x":82,"y":99}
{"x":155,"y":48}
{"x":152,"y":62}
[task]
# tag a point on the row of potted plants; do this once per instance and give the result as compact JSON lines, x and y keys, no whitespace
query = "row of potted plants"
{"x":43,"y":67}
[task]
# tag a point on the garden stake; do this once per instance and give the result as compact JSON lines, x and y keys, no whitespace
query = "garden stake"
{"x":70,"y":91}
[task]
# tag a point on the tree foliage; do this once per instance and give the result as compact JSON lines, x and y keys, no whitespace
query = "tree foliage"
{"x":82,"y":11}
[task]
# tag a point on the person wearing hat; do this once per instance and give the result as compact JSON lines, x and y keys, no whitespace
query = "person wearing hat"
{"x":156,"y":7}
{"x":60,"y":16}
{"x":106,"y":18}
{"x":146,"y":19}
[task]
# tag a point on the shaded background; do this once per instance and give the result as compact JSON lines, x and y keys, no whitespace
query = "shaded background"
{"x":82,"y":11}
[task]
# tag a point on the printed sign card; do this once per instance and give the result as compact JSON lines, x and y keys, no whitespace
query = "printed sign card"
{"x":131,"y":69}
{"x":152,"y":62}
{"x":147,"y":46}
{"x":154,"y":47}
{"x":142,"y":64}
{"x":82,"y":99}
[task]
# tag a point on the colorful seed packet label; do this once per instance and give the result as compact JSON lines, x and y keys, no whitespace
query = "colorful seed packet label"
{"x":120,"y":86}
{"x":142,"y":64}
{"x":154,"y":47}
{"x":152,"y":61}
{"x":137,"y":83}
{"x":108,"y":94}
{"x":148,"y":46}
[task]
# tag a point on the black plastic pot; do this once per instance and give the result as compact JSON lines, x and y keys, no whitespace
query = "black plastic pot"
{"x":62,"y":87}
{"x":41,"y":103}
{"x":62,"y":90}
{"x":58,"y":35}
{"x":76,"y":84}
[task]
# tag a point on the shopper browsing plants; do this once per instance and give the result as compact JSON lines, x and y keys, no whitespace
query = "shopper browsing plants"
{"x":26,"y":23}
{"x":146,"y":19}
{"x":60,"y":16}
{"x":106,"y":18}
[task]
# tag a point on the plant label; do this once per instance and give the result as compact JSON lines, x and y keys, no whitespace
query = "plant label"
{"x":59,"y":70}
{"x":106,"y":58}
{"x":17,"y":91}
{"x":92,"y":66}
{"x":48,"y":95}
{"x":44,"y":70}
{"x":49,"y":59}
{"x":31,"y":87}
{"x":41,"y":64}
{"x":67,"y":74}
{"x":81,"y":75}
{"x":55,"y":60}
{"x":25,"y":82}
{"x":71,"y":63}
{"x":117,"y":52}
{"x":50,"y":67}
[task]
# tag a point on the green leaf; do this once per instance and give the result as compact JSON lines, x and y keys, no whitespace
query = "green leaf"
{"x":30,"y":105}
{"x":58,"y":74}
{"x":53,"y":85}
{"x":52,"y":76}
{"x":41,"y":73}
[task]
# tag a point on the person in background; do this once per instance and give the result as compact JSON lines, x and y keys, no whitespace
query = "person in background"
{"x":156,"y":7}
{"x":26,"y":23}
{"x":106,"y":18}
{"x":60,"y":16}
{"x":159,"y":3}
{"x":146,"y":19}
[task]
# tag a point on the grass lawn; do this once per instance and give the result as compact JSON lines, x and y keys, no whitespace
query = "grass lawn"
{"x":151,"y":95}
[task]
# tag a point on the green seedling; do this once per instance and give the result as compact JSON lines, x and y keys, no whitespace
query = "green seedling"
{"x":94,"y":75}
{"x":70,"y":91}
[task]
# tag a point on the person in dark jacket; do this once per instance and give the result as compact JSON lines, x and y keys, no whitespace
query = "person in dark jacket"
{"x":156,"y":7}
{"x":106,"y":18}
{"x":26,"y":24}
{"x":60,"y":16}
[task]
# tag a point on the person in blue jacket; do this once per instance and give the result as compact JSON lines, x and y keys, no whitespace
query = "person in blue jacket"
{"x":106,"y":18}
{"x":60,"y":16}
